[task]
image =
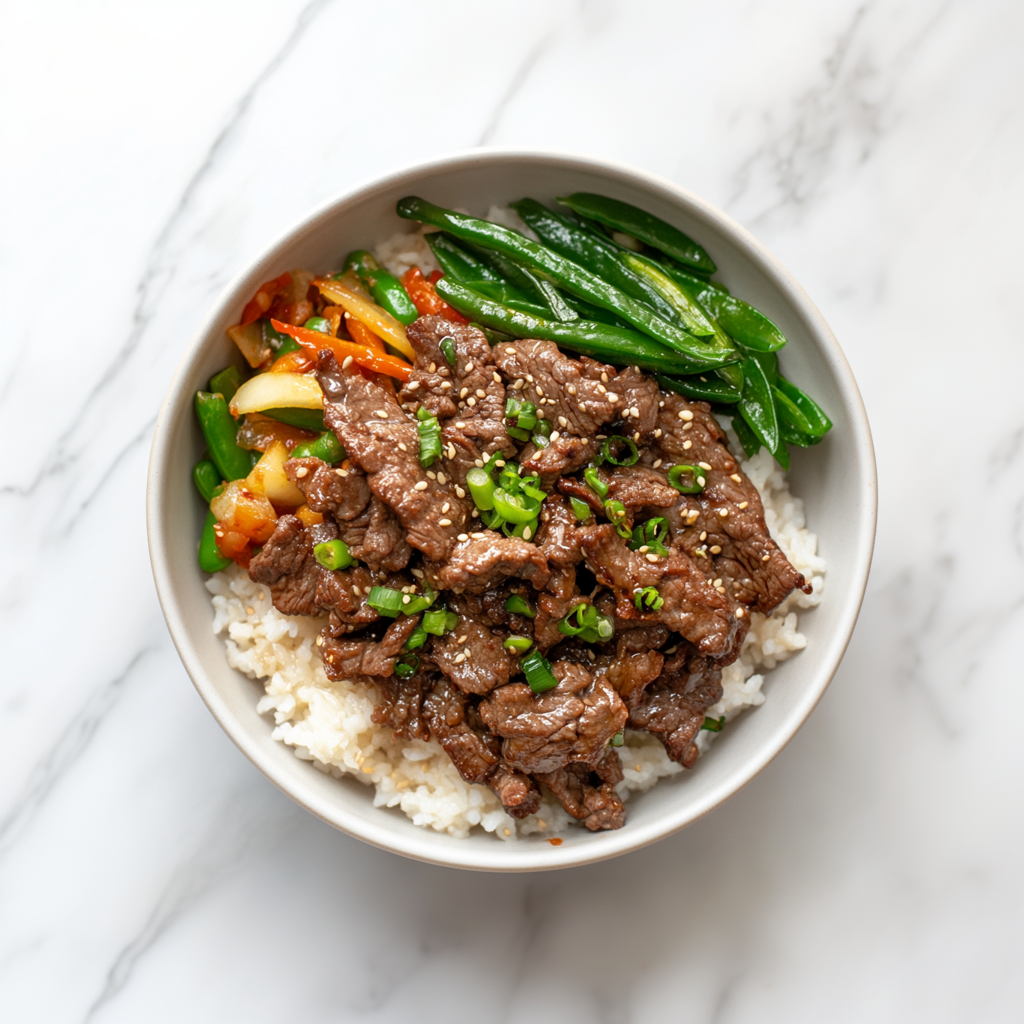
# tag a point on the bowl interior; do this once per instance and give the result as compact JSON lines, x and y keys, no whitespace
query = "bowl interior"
{"x":835,"y":479}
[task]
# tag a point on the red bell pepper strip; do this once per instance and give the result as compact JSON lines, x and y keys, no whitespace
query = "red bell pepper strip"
{"x":425,"y":298}
{"x":264,"y":298}
{"x":315,"y":341}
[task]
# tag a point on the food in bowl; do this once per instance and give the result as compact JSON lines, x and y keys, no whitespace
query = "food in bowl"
{"x":495,"y":536}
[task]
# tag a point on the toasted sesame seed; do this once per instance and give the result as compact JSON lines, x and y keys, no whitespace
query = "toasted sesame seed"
{"x":450,"y":451}
{"x":703,"y":534}
{"x":686,"y":415}
{"x":510,"y":351}
{"x":319,"y":641}
{"x":459,"y":659}
{"x":636,"y":435}
{"x":527,"y":533}
{"x":657,"y":463}
{"x":703,"y":465}
{"x":382,"y":414}
{"x":571,"y":388}
{"x":413,"y":385}
{"x":459,"y":491}
{"x":766,"y":557}
{"x":463,"y":536}
{"x":442,"y":479}
{"x":715,"y":549}
{"x":529,"y":377}
{"x":406,"y":599}
{"x":555,"y":435}
{"x":602,"y":388}
{"x":496,"y":377}
{"x":463,"y":392}
{"x":475,"y":513}
{"x":471,"y":401}
{"x":479,"y":463}
{"x":581,"y":407}
{"x":717,"y":583}
{"x":445,"y":507}
{"x":693,"y":513}
{"x":687,"y":445}
{"x":462,"y":639}
{"x":401,"y":445}
{"x":604,"y":376}
{"x":736,"y":477}
{"x":421,"y":486}
{"x":508,"y":831}
{"x":743,"y":504}
{"x":250,"y":610}
{"x":538,"y":389}
{"x":301,"y":472}
{"x":651,"y":557}
{"x":723,"y":512}
{"x":418,"y":573}
{"x":661,"y":404}
{"x":739,"y":613}
{"x":687,"y":426}
{"x":500,"y":463}
{"x":612,"y":397}
{"x":480,"y":393}
{"x":444,"y":522}
{"x":643,"y":549}
{"x":433,"y":367}
{"x":341,"y":472}
{"x":636,"y":767}
{"x":657,"y":432}
{"x":477,"y":536}
{"x":445,"y":384}
{"x":519,"y":385}
{"x":431,"y":474}
{"x":469,"y":366}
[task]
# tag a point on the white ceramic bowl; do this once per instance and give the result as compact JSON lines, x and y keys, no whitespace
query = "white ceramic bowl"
{"x":836,"y":480}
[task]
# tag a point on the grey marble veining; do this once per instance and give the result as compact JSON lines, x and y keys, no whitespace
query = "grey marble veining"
{"x":148,"y":872}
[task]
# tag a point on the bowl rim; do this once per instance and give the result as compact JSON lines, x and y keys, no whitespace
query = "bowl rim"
{"x":417,"y":844}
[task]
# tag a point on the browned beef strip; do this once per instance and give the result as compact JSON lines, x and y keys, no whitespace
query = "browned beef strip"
{"x":557,"y":536}
{"x":753,"y":569}
{"x":636,"y":663}
{"x":344,"y":593}
{"x":551,"y":608}
{"x":566,"y":454}
{"x":556,"y":384}
{"x":472,"y":655}
{"x":286,"y":565}
{"x":345,"y":658}
{"x":493,"y":603}
{"x":376,"y":537}
{"x":401,"y":705}
{"x":572,"y":487}
{"x":484,"y":559}
{"x":546,"y":731}
{"x":692,"y":607}
{"x":381,"y":438}
{"x":586,"y":796}
{"x":468,"y":398}
{"x":341,"y":490}
{"x":639,"y":487}
{"x":474,"y":751}
{"x":673,"y":706}
{"x":640,"y":396}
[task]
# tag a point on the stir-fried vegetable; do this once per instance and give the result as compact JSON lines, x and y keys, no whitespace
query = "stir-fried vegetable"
{"x":326,"y":447}
{"x":258,"y":305}
{"x":714,"y":724}
{"x":207,"y":479}
{"x":226,"y":382}
{"x":537,"y":670}
{"x":268,"y":477}
{"x":648,"y":599}
{"x":587,"y":624}
{"x":429,"y":431}
{"x":520,"y":606}
{"x":427,"y":301}
{"x":379,"y":362}
{"x":386,"y":289}
{"x":382,"y":323}
{"x":277,"y":391}
{"x":517,"y":644}
{"x":210,"y":558}
{"x":219,"y":430}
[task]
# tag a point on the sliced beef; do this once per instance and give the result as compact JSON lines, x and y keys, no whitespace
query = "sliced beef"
{"x":472,"y":655}
{"x":692,"y":607}
{"x":589,"y":795}
{"x":376,"y":537}
{"x":571,"y":723}
{"x":673,"y":706}
{"x":558,"y":533}
{"x":571,"y":487}
{"x":383,"y":440}
{"x":728,"y":512}
{"x":484,"y":559}
{"x":286,"y":565}
{"x":344,"y":592}
{"x":556,"y":384}
{"x":639,"y":487}
{"x":517,"y":792}
{"x":401,"y":705}
{"x":566,"y":454}
{"x":551,"y":608}
{"x":342,"y":491}
{"x":346,"y":658}
{"x":493,"y":603}
{"x":640,"y":395}
{"x":637,"y":662}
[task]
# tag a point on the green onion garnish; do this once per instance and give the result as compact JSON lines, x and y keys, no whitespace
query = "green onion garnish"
{"x":687,"y":479}
{"x":618,"y":738}
{"x":627,"y":459}
{"x":519,"y":435}
{"x":595,"y":483}
{"x":526,"y":416}
{"x":519,"y":606}
{"x":540,"y":440}
{"x":333,"y":554}
{"x":517,"y":643}
{"x":430,"y":436}
{"x":386,"y":601}
{"x":482,"y":487}
{"x":439,"y":621}
{"x":651,"y":535}
{"x":648,"y":598}
{"x":587,"y":623}
{"x":580,"y":508}
{"x":714,"y":724}
{"x":537,"y":670}
{"x":543,"y":428}
{"x":417,"y":639}
{"x":407,"y":666}
{"x":515,"y":508}
{"x":447,"y":345}
{"x":527,"y":530}
{"x":413,"y":605}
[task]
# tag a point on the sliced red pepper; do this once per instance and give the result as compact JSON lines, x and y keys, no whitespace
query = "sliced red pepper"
{"x":425,"y":298}
{"x":264,"y":298}
{"x":316,"y":341}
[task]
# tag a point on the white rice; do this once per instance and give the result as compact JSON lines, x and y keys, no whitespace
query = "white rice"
{"x":329,"y":723}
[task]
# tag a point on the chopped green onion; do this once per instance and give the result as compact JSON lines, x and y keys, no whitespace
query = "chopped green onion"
{"x":585,"y":622}
{"x":714,"y":724}
{"x":439,"y":621}
{"x":318,"y":323}
{"x":687,"y":479}
{"x":447,"y":346}
{"x":519,"y":606}
{"x":482,"y":487}
{"x":513,"y":507}
{"x":386,"y":601}
{"x":543,"y":428}
{"x":618,"y":739}
{"x":512,"y":407}
{"x":617,"y":516}
{"x":527,"y":530}
{"x":648,"y":598}
{"x":595,"y":483}
{"x":617,"y":439}
{"x":537,"y":670}
{"x":492,"y":520}
{"x":526,"y":416}
{"x":333,"y":554}
{"x":580,"y":508}
{"x":407,"y":666}
{"x":530,"y":486}
{"x":517,"y":643}
{"x":519,"y":435}
{"x":540,"y":440}
{"x":651,"y":535}
{"x":430,"y":436}
{"x":414,"y":605}
{"x":417,"y":639}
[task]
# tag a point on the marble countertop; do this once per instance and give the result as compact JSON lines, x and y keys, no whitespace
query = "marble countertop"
{"x":149,"y":873}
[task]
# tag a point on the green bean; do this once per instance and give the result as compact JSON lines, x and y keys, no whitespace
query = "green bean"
{"x":387,"y":291}
{"x":227,"y":382}
{"x":748,"y":439}
{"x":642,"y":225}
{"x":326,"y":447}
{"x":599,"y":341}
{"x":207,"y":479}
{"x":818,"y":424}
{"x":693,"y":317}
{"x":210,"y":558}
{"x":756,"y":405}
{"x":707,"y":389}
{"x":219,"y":429}
{"x":748,"y":326}
{"x":305,"y":419}
{"x":280,"y":344}
{"x":557,"y":269}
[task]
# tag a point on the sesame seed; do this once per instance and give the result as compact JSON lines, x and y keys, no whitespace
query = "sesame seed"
{"x":446,"y":506}
{"x":479,"y":463}
{"x":496,"y":377}
{"x":469,"y":366}
{"x":250,"y":610}
{"x":382,"y":414}
{"x":442,"y":479}
{"x":651,"y":557}
{"x":445,"y":384}
{"x":703,"y":465}
{"x":401,"y":446}
{"x":431,"y":474}
{"x":687,"y":426}
{"x":500,"y":463}
{"x":661,"y":404}
{"x":406,"y":599}
{"x":413,"y":385}
{"x":717,"y":583}
{"x":723,"y":512}
{"x":636,"y":767}
{"x":444,"y":522}
{"x":643,"y":549}
{"x":636,"y":435}
{"x":562,"y":421}
{"x":602,"y":388}
{"x":743,"y":504}
{"x":475,"y":513}
{"x":319,"y":641}
{"x":687,"y":445}
{"x":739,"y":613}
{"x":480,"y":393}
{"x":693,"y":513}
{"x":450,"y":451}
{"x":477,"y":536}
{"x":539,"y":389}
{"x":463,"y":392}
{"x":581,"y":407}
{"x":657,"y":463}
{"x":527,"y":533}
{"x":510,"y":351}
{"x":715,"y":549}
{"x":635,"y":413}
{"x":459,"y":659}
{"x":342,"y":473}
{"x":433,"y":367}
{"x":301,"y":472}
{"x":686,"y":415}
{"x":463,"y":536}
{"x":571,"y":389}
{"x":508,"y":831}
{"x":346,"y":362}
{"x":460,"y":425}
{"x":467,"y":652}
{"x":421,"y":486}
{"x":703,"y":534}
{"x":657,"y":432}
{"x":462,"y":639}
{"x":519,"y":385}
{"x":604,"y":376}
{"x":471,"y":401}
{"x":529,"y":377}
{"x":612,"y":397}
{"x":766,"y":558}
{"x":555,"y":435}
{"x":459,"y":491}
{"x":737,"y":478}
{"x":418,"y":573}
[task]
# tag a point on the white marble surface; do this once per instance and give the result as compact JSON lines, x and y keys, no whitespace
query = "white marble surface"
{"x":149,"y":873}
